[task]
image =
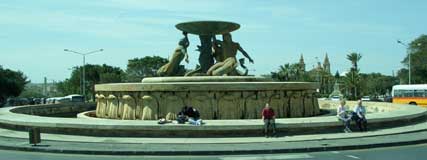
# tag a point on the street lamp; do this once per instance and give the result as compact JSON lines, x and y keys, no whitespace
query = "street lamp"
{"x":409,"y":57}
{"x":84,"y":63}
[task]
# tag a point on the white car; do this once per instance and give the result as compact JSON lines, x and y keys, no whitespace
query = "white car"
{"x":322,"y":99}
{"x":365,"y":98}
{"x":335,"y":98}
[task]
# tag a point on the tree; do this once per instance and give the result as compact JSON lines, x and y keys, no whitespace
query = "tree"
{"x":94,"y":74}
{"x":352,"y":78}
{"x":337,"y":75}
{"x":377,"y":84}
{"x":354,"y":58}
{"x":12,"y":83}
{"x":352,"y":83}
{"x":32,"y":91}
{"x":138,"y":68}
{"x":402,"y":74}
{"x":67,"y":87}
{"x":285,"y":72}
{"x":418,"y":50}
{"x":110,"y":77}
{"x":290,"y":72}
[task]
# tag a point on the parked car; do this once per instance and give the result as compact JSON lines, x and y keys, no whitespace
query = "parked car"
{"x":54,"y":100}
{"x":388,"y":99}
{"x":335,"y":98}
{"x":37,"y":100}
{"x":366,"y":98}
{"x":17,"y":102}
{"x":321,"y":99}
{"x":381,"y":98}
{"x":75,"y":98}
{"x":69,"y":98}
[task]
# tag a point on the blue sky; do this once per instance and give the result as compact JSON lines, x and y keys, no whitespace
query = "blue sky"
{"x":35,"y":33}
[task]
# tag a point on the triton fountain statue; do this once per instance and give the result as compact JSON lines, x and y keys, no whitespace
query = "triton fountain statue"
{"x":217,"y":88}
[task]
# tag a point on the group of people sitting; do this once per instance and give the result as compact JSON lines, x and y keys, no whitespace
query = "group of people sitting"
{"x":358,"y":115}
{"x":190,"y":115}
{"x":187,"y":114}
{"x":344,"y":115}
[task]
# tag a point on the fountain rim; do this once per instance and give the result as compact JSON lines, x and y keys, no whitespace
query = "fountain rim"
{"x":404,"y":113}
{"x":209,"y":86}
{"x":205,"y":79}
{"x":230,"y":27}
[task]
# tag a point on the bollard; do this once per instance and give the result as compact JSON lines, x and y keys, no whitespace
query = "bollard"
{"x":34,"y":135}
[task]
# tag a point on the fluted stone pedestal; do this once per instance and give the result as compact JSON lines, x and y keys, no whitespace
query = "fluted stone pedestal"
{"x":222,"y":97}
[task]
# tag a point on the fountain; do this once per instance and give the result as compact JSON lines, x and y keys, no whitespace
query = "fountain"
{"x":216,"y":88}
{"x":229,"y":100}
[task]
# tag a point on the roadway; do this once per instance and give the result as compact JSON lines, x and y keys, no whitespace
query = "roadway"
{"x":412,"y":152}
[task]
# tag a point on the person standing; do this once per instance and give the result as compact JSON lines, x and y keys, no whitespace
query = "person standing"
{"x":268,"y":117}
{"x":360,"y":112}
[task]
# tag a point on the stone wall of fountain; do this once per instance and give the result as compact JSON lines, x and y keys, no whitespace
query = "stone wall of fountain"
{"x":241,"y":98}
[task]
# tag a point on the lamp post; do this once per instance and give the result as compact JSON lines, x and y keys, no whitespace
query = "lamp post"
{"x":409,"y":58}
{"x":84,"y":63}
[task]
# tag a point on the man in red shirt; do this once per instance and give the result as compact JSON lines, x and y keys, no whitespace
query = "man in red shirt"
{"x":268,"y":117}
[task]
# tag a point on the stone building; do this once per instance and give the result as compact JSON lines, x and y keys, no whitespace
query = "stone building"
{"x":301,"y":63}
{"x":322,"y":74}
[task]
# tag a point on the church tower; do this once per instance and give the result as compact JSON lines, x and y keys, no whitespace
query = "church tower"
{"x":301,"y":63}
{"x":326,"y":64}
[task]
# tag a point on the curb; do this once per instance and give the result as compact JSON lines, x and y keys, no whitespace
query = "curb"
{"x":317,"y":146}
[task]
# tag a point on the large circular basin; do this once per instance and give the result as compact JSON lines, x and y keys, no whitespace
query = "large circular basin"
{"x":208,"y":27}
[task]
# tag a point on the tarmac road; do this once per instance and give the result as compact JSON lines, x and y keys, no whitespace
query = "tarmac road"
{"x":412,"y":152}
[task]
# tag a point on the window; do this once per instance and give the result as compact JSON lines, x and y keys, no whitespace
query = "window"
{"x":408,"y":93}
{"x":419,"y":93}
{"x":398,"y":93}
{"x":77,"y":99}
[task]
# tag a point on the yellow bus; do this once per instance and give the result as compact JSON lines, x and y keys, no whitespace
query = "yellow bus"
{"x":415,"y":94}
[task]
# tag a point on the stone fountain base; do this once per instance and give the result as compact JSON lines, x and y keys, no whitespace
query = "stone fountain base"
{"x":380,"y":116}
{"x":223,"y":97}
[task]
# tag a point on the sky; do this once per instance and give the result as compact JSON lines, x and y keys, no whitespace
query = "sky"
{"x":35,"y":33}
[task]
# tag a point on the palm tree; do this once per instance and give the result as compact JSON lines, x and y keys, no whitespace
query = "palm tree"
{"x":285,"y":72}
{"x":289,"y":72}
{"x":354,"y":58}
{"x":352,"y":78}
{"x":297,"y":73}
{"x":352,"y":82}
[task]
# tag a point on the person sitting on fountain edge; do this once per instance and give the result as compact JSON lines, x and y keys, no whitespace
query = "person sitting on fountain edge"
{"x":194,"y":116}
{"x":181,"y":118}
{"x":359,"y":113}
{"x":268,"y":117}
{"x":343,"y":116}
